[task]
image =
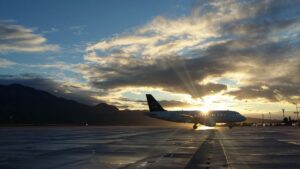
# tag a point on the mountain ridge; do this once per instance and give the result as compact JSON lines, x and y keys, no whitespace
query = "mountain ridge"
{"x":21,"y":104}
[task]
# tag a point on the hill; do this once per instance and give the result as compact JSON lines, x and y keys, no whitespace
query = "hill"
{"x":25,"y":105}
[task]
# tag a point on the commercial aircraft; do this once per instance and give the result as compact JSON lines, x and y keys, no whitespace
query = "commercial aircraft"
{"x":197,"y":117}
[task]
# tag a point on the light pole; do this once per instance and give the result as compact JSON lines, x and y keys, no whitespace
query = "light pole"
{"x":282,"y":113}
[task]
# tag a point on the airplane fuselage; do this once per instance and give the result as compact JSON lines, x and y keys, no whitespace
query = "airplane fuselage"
{"x":206,"y":118}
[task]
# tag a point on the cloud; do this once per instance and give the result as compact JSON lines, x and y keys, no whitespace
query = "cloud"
{"x":17,"y":38}
{"x":67,"y":89}
{"x":169,"y":103}
{"x":175,"y":76}
{"x":133,"y":103}
{"x":6,"y":63}
{"x":241,"y":49}
{"x":57,"y":65}
{"x":175,"y":103}
{"x":51,"y":30}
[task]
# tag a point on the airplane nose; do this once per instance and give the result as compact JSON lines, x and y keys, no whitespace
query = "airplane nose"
{"x":243,"y":118}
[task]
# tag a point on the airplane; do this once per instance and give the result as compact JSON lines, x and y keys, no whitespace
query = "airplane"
{"x":196,"y":117}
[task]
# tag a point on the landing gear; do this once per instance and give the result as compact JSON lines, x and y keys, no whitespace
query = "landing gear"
{"x":195,"y":126}
{"x":230,"y":125}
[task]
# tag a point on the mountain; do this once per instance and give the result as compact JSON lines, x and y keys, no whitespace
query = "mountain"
{"x":25,"y":105}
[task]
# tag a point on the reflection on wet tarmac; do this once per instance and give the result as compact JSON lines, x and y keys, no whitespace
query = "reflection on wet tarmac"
{"x":148,"y":147}
{"x":205,"y":128}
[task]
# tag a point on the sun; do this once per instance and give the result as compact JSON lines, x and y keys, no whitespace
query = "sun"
{"x":214,"y":102}
{"x":205,"y":109}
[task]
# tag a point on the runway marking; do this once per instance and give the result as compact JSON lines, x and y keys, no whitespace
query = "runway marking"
{"x":296,"y":143}
{"x":209,"y":154}
{"x":290,"y":141}
{"x":224,"y":151}
{"x":230,"y":161}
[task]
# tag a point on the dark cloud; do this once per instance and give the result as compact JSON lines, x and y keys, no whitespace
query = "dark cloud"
{"x":259,"y":39}
{"x":164,"y":103}
{"x":254,"y":92}
{"x":179,"y":76}
{"x":277,"y":89}
{"x":269,"y":16}
{"x":46,"y":84}
{"x":175,"y":103}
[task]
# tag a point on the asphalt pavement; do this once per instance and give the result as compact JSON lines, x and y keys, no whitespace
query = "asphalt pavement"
{"x":148,"y":147}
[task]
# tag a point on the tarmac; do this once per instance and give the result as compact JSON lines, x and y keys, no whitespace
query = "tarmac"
{"x":149,"y":147}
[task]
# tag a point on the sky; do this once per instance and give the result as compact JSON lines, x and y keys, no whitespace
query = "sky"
{"x":238,"y":55}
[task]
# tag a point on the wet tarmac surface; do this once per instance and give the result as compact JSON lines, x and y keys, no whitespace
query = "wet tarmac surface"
{"x":148,"y":147}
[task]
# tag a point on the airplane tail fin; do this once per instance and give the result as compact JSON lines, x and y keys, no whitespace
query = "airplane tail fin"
{"x":153,"y":104}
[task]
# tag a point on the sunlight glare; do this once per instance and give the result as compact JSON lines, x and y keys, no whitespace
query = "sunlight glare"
{"x":205,"y":128}
{"x":204,"y":109}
